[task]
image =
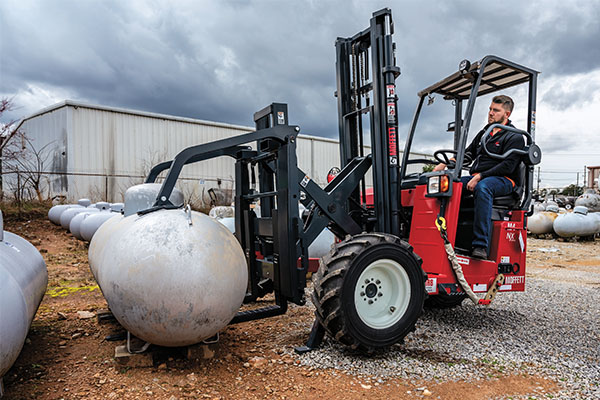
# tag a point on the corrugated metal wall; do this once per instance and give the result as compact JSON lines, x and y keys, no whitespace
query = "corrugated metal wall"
{"x":105,"y":150}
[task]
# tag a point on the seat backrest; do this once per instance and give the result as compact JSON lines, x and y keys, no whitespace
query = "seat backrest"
{"x":520,"y":183}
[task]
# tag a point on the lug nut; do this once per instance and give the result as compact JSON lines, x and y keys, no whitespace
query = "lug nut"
{"x":392,"y":309}
{"x":378,"y":281}
{"x":366,"y":281}
{"x":370,"y":301}
{"x":362,"y":293}
{"x":379,"y":294}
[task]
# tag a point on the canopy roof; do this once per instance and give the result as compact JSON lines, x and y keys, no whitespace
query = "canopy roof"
{"x":498,"y":74}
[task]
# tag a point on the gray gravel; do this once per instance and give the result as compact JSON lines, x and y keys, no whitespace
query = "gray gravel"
{"x":551,"y":330}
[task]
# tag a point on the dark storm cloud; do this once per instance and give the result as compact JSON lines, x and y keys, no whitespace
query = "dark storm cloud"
{"x":222,"y":61}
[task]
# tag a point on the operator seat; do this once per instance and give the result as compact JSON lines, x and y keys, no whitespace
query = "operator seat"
{"x":503,"y":204}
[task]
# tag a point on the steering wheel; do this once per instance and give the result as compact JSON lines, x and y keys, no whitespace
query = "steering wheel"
{"x":442,"y":156}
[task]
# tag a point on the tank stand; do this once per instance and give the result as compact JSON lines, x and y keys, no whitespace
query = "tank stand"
{"x":314,"y":339}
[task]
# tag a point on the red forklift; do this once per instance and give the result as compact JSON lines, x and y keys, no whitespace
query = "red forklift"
{"x":402,"y":240}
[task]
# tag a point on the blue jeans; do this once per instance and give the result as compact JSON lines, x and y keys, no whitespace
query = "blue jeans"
{"x":484,"y":193}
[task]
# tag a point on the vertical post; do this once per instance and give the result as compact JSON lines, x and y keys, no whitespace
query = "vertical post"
{"x":538,"y":180}
{"x":576,"y":186}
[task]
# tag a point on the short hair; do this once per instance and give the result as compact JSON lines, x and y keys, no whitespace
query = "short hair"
{"x":507,"y":103}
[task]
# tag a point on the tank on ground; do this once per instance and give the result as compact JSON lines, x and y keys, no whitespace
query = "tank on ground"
{"x":23,"y":281}
{"x":577,"y":223}
{"x":170,"y":277}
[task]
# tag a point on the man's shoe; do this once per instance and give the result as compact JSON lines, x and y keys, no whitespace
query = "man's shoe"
{"x":479,"y":252}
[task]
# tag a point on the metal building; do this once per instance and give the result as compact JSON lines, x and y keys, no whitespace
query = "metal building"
{"x":98,"y":152}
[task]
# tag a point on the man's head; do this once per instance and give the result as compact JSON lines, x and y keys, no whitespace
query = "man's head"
{"x":500,"y":110}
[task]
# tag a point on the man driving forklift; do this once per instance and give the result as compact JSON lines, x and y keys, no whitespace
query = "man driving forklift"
{"x":489,"y":177}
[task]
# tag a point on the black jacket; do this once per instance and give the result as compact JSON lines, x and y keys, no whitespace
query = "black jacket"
{"x":500,"y":143}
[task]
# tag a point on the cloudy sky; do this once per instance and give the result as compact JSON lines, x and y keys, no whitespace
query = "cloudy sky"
{"x":223,"y":60}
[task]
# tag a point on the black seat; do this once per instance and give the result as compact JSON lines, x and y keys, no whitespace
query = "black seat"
{"x":512,"y":200}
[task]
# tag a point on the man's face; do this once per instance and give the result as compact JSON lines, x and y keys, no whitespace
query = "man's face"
{"x":497,"y":114}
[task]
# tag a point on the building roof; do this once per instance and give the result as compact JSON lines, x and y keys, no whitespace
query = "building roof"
{"x":78,"y":104}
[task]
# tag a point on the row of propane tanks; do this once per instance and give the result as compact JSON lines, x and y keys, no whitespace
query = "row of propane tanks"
{"x":171,"y":277}
{"x":581,"y":221}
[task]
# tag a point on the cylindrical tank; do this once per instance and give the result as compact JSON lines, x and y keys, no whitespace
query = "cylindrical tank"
{"x":322,"y":244}
{"x":23,"y":281}
{"x":541,"y":222}
{"x":143,"y":196}
{"x":590,"y":199}
{"x":170,"y":277}
{"x":75,"y":224}
{"x":55,"y":212}
{"x":90,"y":225}
{"x":116,"y":207}
{"x":576,"y":223}
{"x":228,"y":222}
{"x":67,"y":215}
{"x":221,"y":212}
{"x":102,"y":205}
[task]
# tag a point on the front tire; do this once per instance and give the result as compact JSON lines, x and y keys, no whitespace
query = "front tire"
{"x":369,"y":291}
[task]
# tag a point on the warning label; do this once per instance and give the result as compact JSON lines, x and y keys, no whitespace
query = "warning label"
{"x":431,"y":285}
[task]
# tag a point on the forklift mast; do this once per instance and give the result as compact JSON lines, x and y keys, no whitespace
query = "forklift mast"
{"x":365,"y":64}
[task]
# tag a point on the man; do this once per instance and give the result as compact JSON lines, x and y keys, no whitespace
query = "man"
{"x":490,"y":177}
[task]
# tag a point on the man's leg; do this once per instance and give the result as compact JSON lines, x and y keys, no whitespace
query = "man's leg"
{"x":485,"y":191}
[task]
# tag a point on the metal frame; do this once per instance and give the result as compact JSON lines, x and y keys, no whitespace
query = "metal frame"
{"x":490,"y":74}
{"x":353,"y":54}
{"x":279,"y":236}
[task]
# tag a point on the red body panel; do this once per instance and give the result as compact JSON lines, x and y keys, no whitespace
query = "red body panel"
{"x":508,"y":244}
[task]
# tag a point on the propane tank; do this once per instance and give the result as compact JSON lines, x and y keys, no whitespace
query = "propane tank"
{"x":67,"y":215}
{"x":23,"y":281}
{"x":228,"y":222}
{"x":322,"y":244}
{"x":170,"y":277}
{"x":542,"y":221}
{"x":143,"y":196}
{"x":576,"y":223}
{"x":55,"y":212}
{"x":590,"y":199}
{"x":90,"y":225}
{"x":75,"y":224}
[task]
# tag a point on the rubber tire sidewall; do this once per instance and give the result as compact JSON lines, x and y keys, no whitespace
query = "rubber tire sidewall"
{"x":387,"y":336}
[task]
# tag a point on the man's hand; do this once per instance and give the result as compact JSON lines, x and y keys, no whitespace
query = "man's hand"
{"x":439,"y":167}
{"x":473,"y":182}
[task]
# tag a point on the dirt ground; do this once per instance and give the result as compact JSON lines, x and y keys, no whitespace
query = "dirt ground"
{"x":68,"y":357}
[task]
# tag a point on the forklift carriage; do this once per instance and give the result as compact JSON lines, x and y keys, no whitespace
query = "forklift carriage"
{"x":370,"y":289}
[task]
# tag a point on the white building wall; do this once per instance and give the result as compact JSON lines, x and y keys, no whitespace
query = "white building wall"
{"x":104,"y":150}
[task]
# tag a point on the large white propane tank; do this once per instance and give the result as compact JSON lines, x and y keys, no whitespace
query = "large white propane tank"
{"x":542,"y":221}
{"x":590,"y":199}
{"x":170,"y":277}
{"x":23,"y":281}
{"x":577,"y":223}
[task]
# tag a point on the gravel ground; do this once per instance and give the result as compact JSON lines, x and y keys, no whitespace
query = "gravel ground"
{"x":552,"y":330}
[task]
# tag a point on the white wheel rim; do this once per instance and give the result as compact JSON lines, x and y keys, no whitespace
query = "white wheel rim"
{"x":382,"y":294}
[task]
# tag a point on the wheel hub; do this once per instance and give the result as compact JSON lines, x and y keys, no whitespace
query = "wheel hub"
{"x":382,"y":293}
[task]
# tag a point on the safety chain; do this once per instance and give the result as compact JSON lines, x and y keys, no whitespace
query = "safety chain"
{"x":440,"y":223}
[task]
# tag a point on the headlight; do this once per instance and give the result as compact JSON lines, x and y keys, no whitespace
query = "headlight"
{"x":438,"y":184}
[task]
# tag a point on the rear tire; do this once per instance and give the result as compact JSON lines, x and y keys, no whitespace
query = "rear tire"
{"x":369,"y":291}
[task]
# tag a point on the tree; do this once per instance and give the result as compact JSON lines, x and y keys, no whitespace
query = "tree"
{"x":572,"y":190}
{"x":12,"y":141}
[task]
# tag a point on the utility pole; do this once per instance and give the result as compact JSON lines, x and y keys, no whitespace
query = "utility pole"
{"x":538,"y":180}
{"x":584,"y":176}
{"x":576,"y":186}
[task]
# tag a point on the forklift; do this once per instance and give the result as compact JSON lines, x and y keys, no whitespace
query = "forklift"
{"x":396,"y":238}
